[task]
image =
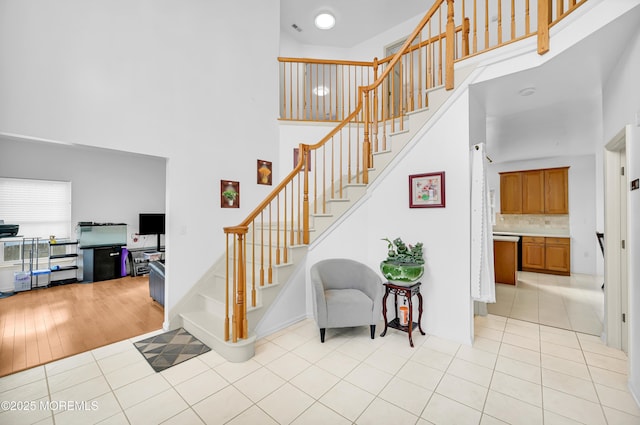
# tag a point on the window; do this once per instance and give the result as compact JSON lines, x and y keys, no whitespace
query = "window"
{"x":41,"y":208}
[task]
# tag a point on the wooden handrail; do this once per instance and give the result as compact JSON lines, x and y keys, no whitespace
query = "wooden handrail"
{"x":377,"y":96}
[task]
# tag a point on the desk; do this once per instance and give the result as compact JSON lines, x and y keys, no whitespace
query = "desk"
{"x":408,"y":292}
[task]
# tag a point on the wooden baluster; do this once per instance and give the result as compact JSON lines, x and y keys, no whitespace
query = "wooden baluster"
{"x":284,"y":91}
{"x":270,"y":248}
{"x":401,"y":99}
{"x":285,"y":257}
{"x":420,"y":75}
{"x":295,"y":218}
{"x":324,"y":178}
{"x":262,"y":248}
{"x":226,"y":292}
{"x":410,"y":86}
{"x":340,"y":169}
{"x":332,"y":167}
{"x":499,"y":22}
{"x":366,"y":148}
{"x":349,"y":169}
{"x":527,"y":18}
{"x":465,"y":37}
{"x":450,"y":48}
{"x":359,"y":151}
{"x":324,"y":98}
{"x":278,"y":230}
{"x":375,"y":105}
{"x":253,"y":263}
{"x":544,"y":19}
{"x":513,"y":19}
{"x":300,"y":227}
{"x":298,"y":112}
{"x":486,"y":25}
{"x":559,"y":9}
{"x":440,"y":45}
{"x":430,"y":56}
{"x":475,"y":26}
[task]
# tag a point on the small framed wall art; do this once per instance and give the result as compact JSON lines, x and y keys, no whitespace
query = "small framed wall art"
{"x":229,"y":194}
{"x":427,"y":190}
{"x":264,"y":169}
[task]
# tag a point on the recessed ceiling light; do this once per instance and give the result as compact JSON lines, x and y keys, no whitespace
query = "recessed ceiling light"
{"x":325,"y":21}
{"x":527,"y":91}
{"x":321,"y":91}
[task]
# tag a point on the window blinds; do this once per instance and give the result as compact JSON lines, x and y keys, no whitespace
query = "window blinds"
{"x":41,"y":207}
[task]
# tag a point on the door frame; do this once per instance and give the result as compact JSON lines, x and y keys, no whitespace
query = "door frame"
{"x":613,"y":161}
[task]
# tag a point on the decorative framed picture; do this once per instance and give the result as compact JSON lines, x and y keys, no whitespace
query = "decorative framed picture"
{"x":295,"y":159}
{"x":229,"y":194}
{"x":427,"y":190}
{"x":264,"y":169}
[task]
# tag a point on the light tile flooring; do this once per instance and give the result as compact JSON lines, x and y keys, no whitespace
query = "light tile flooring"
{"x":573,"y":302}
{"x":516,"y":373}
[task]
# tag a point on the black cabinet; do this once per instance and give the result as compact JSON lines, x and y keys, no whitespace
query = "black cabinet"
{"x":102,"y":263}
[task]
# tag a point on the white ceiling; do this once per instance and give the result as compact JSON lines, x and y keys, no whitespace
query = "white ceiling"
{"x":559,"y":118}
{"x":356,"y":20}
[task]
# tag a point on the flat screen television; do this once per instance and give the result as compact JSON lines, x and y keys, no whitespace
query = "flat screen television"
{"x":151,"y":224}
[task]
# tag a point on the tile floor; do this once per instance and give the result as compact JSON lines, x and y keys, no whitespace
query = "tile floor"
{"x":568,"y":302}
{"x":516,"y":372}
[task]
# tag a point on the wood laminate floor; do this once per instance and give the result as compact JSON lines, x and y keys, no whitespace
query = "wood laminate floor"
{"x":39,"y":326}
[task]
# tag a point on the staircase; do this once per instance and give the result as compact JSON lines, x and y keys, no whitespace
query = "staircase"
{"x":204,"y":314}
{"x":224,"y":308}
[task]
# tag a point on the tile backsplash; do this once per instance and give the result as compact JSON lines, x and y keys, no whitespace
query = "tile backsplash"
{"x":555,"y":223}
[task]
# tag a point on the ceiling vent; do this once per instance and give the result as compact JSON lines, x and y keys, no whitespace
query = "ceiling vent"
{"x":295,"y":27}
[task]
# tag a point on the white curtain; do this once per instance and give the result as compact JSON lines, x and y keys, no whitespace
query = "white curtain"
{"x":483,"y":285}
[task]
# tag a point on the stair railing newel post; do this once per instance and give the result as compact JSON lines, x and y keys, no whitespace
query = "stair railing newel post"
{"x":450,"y":52}
{"x":239,"y":325}
{"x":240,"y":295}
{"x":226,"y":291}
{"x":544,"y":19}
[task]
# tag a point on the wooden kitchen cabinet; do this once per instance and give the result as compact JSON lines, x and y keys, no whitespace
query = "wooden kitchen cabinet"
{"x":556,"y":193}
{"x":546,"y":255}
{"x":543,"y":191}
{"x":511,"y":193}
{"x":533,"y":253}
{"x":557,"y":255}
{"x":505,"y":261}
{"x":533,"y":192}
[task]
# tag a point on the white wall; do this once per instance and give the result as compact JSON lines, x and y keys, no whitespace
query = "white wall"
{"x":621,"y":108}
{"x":445,"y":232}
{"x":179,"y":80}
{"x":585,"y":251}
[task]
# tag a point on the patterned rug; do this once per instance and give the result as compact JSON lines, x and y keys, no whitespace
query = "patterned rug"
{"x":170,"y":348}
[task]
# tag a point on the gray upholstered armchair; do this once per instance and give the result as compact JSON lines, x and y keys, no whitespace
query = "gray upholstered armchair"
{"x":346,"y":293}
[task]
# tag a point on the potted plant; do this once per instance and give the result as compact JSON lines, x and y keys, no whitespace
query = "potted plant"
{"x":230,"y":195}
{"x":404,"y":264}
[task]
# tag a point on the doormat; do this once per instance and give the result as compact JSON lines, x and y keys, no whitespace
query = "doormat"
{"x":170,"y":348}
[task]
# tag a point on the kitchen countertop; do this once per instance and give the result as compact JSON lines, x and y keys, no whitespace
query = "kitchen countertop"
{"x":503,"y":238}
{"x":534,"y":234}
